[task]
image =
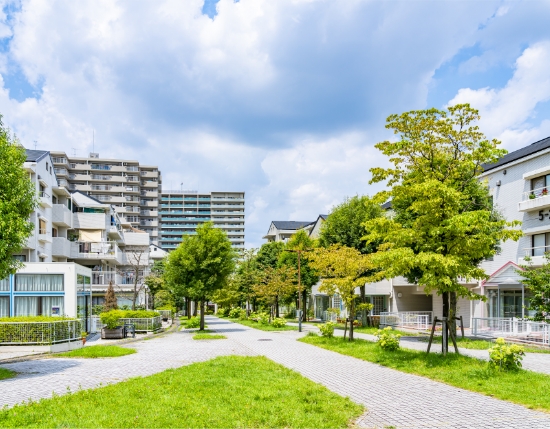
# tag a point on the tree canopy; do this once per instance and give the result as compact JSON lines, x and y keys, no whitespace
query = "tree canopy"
{"x":18,"y":199}
{"x":537,"y":279}
{"x":201,"y":264}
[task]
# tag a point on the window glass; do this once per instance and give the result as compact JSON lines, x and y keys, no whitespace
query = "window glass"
{"x":39,"y":282}
{"x":5,"y":284}
{"x":4,"y":306}
{"x":39,"y":306}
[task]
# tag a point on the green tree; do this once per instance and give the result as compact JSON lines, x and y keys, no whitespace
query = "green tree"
{"x":538,"y":281}
{"x":444,"y":223}
{"x":269,"y":254}
{"x":274,"y":285}
{"x":345,"y":225}
{"x":230,"y":294}
{"x":18,"y":199}
{"x":294,"y":250}
{"x":343,"y":270}
{"x":110,"y":299}
{"x":201,"y":264}
{"x":155,"y":281}
{"x":247,"y":275}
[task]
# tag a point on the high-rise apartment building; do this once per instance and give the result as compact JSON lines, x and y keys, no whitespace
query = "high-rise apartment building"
{"x":182,"y":211}
{"x":132,"y":189}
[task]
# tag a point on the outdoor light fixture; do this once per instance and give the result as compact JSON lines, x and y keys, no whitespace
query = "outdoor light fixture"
{"x":399,"y":295}
{"x":498,"y":183}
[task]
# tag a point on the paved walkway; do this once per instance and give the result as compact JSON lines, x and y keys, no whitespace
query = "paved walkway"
{"x":393,"y":399}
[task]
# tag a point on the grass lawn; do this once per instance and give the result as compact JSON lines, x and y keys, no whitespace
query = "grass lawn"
{"x":97,"y":352}
{"x":522,"y":387}
{"x":478,"y":344}
{"x":226,"y":392}
{"x":209,"y":337}
{"x":368,"y":329}
{"x":257,"y":325}
{"x":6,"y":373}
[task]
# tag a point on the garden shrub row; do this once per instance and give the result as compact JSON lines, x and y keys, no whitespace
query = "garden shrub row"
{"x":38,"y":330}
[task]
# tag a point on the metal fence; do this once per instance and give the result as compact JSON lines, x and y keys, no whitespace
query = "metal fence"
{"x":151,"y":324}
{"x":40,"y":333}
{"x":407,"y":319}
{"x":165,"y":314}
{"x":512,"y":329}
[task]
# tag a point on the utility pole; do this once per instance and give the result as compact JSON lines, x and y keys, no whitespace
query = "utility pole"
{"x":299,"y":311}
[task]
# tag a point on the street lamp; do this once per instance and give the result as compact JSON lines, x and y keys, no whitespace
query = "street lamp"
{"x":299,"y":311}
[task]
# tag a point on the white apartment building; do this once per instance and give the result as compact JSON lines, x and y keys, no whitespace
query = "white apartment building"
{"x":182,"y":211}
{"x":132,"y":188}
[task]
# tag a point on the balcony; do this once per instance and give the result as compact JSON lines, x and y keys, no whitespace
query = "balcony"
{"x":61,"y":247}
{"x":536,"y":199}
{"x":44,"y":199}
{"x":44,"y":235}
{"x":61,"y":171}
{"x":101,"y":250}
{"x":62,"y":216}
{"x":57,"y":160}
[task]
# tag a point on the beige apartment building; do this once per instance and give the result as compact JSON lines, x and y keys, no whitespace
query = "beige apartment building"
{"x":131,"y":188}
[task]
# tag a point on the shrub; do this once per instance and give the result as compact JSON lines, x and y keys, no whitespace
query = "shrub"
{"x":290,"y":315}
{"x":139,"y":314}
{"x":223,"y":312}
{"x":111,"y":318}
{"x":194,"y":322}
{"x":242,"y":314}
{"x":263,"y":318}
{"x":387,"y":339}
{"x":279,"y":322}
{"x":506,"y":357}
{"x":234,"y":312}
{"x":327,"y":329}
{"x":45,"y":332}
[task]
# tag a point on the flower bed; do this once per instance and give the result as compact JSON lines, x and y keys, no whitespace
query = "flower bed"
{"x":38,"y":330}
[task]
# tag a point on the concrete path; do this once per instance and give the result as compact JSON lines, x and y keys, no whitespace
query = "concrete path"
{"x":393,"y":399}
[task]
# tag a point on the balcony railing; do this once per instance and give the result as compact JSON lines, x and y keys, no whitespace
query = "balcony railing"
{"x":59,"y":160}
{"x":536,"y":193}
{"x":100,"y":167}
{"x":101,"y":187}
{"x":43,"y":194}
{"x":101,"y":177}
{"x":536,"y":251}
{"x":513,"y":329}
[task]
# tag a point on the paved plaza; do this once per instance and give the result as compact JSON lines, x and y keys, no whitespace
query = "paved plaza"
{"x":392,"y":398}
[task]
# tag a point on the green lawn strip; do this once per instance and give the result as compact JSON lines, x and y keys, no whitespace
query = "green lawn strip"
{"x":226,"y":392}
{"x":93,"y":352}
{"x":478,"y":344}
{"x":209,"y":337}
{"x":257,"y":325}
{"x":522,"y":387}
{"x":6,"y":373}
{"x":369,"y":330}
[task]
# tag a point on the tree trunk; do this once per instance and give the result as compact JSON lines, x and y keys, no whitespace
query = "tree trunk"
{"x":304,"y":305}
{"x":195,"y":308}
{"x":445,"y":297}
{"x":363,"y":312}
{"x":202,"y":316}
{"x":188,"y":308}
{"x":276,"y":306}
{"x":351,"y":319}
{"x":452,"y":312}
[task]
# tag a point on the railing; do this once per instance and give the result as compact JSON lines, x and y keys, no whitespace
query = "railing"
{"x":101,"y":187}
{"x":132,"y":168}
{"x":101,"y":177}
{"x":62,"y":171}
{"x":133,"y":178}
{"x":59,"y":160}
{"x":104,"y":278}
{"x":535,"y":193}
{"x":151,"y":324}
{"x":132,"y":188}
{"x":132,"y":198}
{"x":513,"y":329}
{"x":100,"y":167}
{"x":536,"y":251}
{"x":42,"y":333}
{"x":165,"y":314}
{"x":103,"y":197}
{"x":407,"y":319}
{"x":43,"y":194}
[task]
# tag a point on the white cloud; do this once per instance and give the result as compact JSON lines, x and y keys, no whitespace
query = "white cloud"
{"x":506,"y":112}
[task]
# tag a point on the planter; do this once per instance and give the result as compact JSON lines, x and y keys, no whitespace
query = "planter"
{"x":112,"y":334}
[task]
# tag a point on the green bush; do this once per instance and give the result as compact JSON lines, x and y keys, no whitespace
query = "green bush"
{"x":242,"y":314}
{"x":140,"y":314}
{"x":327,"y":329}
{"x":223,"y":312}
{"x":506,"y":357}
{"x":387,"y":339}
{"x":48,"y":331}
{"x":112,"y":318}
{"x":194,"y":322}
{"x":279,"y":322}
{"x":234,"y":312}
{"x":260,"y":317}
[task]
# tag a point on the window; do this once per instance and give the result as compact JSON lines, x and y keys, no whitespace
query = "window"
{"x":41,"y":226}
{"x":540,"y":244}
{"x":5,"y":284}
{"x":20,"y":258}
{"x":539,"y":185}
{"x":38,"y":305}
{"x":4,"y":306}
{"x":39,"y":282}
{"x":379,"y":304}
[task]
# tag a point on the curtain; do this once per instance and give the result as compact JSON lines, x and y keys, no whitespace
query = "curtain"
{"x":26,"y":306}
{"x":52,"y":301}
{"x":4,"y":306}
{"x":5,"y":284}
{"x":39,"y":282}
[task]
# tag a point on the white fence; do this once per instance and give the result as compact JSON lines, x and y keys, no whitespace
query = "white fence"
{"x":41,"y":333}
{"x":513,"y":329}
{"x":407,"y":319}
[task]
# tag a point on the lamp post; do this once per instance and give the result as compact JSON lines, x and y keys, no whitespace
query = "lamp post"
{"x":299,"y":312}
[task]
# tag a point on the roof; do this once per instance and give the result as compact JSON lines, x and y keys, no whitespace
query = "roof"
{"x":324,"y":217}
{"x":290,"y":224}
{"x":36,"y":155}
{"x":538,"y":146}
{"x":84,"y":200}
{"x":387,"y":205}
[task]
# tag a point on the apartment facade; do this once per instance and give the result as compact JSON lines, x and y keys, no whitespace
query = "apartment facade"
{"x":131,"y":188}
{"x":181,"y":212}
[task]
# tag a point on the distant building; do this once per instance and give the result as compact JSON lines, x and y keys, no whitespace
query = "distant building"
{"x":182,"y":211}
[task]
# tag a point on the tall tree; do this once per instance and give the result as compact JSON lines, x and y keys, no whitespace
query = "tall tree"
{"x":444,"y":223}
{"x":155,"y":281}
{"x":110,"y":299}
{"x":247,"y":275}
{"x":201,"y":264}
{"x":343,"y":269}
{"x":276,"y":284}
{"x":299,"y":244}
{"x":18,"y":199}
{"x":537,"y":279}
{"x":345,"y":225}
{"x":269,"y":254}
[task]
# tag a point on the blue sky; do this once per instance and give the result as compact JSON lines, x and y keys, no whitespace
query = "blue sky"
{"x":284,"y":100}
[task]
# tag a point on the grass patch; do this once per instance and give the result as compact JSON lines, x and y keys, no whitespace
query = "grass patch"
{"x":94,"y":352}
{"x":257,"y":325}
{"x":6,"y":373}
{"x":522,"y":387}
{"x":368,"y":329}
{"x":226,"y":392}
{"x":478,"y":344}
{"x":209,"y":337}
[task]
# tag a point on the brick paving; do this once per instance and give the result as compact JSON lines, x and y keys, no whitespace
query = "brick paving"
{"x":393,"y":399}
{"x":39,"y":378}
